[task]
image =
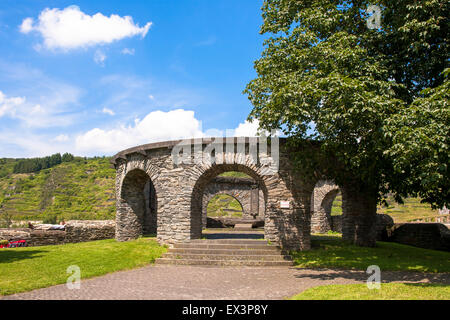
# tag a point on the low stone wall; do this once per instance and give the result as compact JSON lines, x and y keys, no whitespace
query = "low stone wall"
{"x":80,"y":231}
{"x":75,"y":231}
{"x":384,"y":222}
{"x":224,"y":222}
{"x":434,"y":236}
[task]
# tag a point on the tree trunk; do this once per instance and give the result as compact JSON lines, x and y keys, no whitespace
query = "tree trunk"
{"x":359,"y":216}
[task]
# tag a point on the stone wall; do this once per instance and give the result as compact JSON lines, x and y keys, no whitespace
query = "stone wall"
{"x":383,"y":223}
{"x":75,"y":231}
{"x":89,"y":230}
{"x":325,"y":191}
{"x":180,"y":186}
{"x":434,"y":236}
{"x":244,"y":190}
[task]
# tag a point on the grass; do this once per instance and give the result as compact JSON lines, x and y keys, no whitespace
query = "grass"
{"x":388,"y":291}
{"x":331,"y":251}
{"x":25,"y":269}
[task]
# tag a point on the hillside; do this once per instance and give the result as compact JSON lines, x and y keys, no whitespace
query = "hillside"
{"x":80,"y":189}
{"x":84,"y":189}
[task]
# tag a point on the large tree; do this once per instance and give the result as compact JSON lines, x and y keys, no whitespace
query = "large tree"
{"x":326,"y":77}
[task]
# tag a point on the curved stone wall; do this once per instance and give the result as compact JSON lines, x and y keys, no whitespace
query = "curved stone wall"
{"x":179,"y":188}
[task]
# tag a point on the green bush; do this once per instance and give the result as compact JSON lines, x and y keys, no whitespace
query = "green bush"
{"x":49,"y":219}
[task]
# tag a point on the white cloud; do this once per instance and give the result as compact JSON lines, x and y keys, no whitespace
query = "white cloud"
{"x":71,"y":28}
{"x":108,"y":111}
{"x":128,"y":51}
{"x":61,"y":138}
{"x":27,"y":25}
{"x":99,"y":57}
{"x":151,"y":97}
{"x":247,"y":129}
{"x":9,"y":106}
{"x":156,"y":126}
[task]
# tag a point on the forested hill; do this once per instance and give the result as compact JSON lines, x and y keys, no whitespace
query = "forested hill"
{"x":60,"y":187}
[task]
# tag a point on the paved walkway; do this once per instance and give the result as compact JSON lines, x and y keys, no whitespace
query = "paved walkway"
{"x":214,"y":283}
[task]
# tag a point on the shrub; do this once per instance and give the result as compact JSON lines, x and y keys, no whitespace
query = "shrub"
{"x":49,"y":219}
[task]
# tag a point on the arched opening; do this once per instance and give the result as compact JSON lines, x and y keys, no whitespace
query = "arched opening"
{"x":137,"y":206}
{"x":326,"y":208}
{"x":197,"y":200}
{"x":224,"y":205}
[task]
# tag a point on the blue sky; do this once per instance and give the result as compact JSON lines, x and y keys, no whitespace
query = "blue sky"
{"x":94,"y":77}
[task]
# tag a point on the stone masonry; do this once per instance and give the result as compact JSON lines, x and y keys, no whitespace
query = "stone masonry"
{"x":156,"y":192}
{"x":244,"y":190}
{"x":75,"y":231}
{"x":179,"y":189}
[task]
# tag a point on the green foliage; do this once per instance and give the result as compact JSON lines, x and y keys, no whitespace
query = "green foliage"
{"x":420,"y":150}
{"x":37,"y":164}
{"x":5,"y":219}
{"x":67,"y":157}
{"x":334,"y":86}
{"x":49,"y":219}
{"x":79,"y":189}
{"x":235,"y":174}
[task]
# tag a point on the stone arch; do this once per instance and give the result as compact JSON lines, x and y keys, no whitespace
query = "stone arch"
{"x":179,"y":180}
{"x":202,"y":181}
{"x":325,"y":191}
{"x":137,"y":204}
{"x":233,"y":195}
{"x":244,"y":190}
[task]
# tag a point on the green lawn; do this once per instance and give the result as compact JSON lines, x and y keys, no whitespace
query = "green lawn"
{"x":329,"y":251}
{"x":388,"y":291}
{"x":24,"y":269}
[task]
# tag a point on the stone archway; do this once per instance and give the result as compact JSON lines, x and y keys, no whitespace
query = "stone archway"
{"x":179,"y":174}
{"x":325,"y":191}
{"x":198,"y":201}
{"x":137,"y":200}
{"x":228,"y":197}
{"x":245,"y":190}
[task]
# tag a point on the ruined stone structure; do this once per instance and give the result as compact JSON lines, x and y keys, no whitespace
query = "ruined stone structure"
{"x":245,"y":190}
{"x":179,"y":188}
{"x":325,"y":191}
{"x":161,"y":187}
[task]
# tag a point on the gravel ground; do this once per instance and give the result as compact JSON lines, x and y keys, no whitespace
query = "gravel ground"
{"x":214,"y":283}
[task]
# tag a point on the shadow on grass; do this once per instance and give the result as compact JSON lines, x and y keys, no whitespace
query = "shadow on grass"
{"x":11,"y":255}
{"x":386,"y":276}
{"x":332,"y":252}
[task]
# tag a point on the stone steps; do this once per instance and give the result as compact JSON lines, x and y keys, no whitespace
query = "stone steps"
{"x":226,"y":252}
{"x":224,"y":246}
{"x":215,"y":256}
{"x":247,"y":263}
